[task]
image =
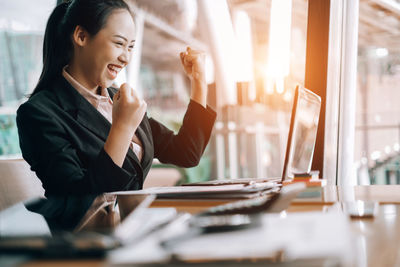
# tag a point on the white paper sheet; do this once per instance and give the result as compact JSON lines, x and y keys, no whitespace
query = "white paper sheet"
{"x":298,"y":236}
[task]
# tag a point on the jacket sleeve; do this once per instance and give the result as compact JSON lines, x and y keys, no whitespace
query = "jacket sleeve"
{"x":186,"y":147}
{"x":45,"y":145}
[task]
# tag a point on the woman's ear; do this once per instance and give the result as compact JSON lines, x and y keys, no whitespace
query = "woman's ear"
{"x":80,"y":36}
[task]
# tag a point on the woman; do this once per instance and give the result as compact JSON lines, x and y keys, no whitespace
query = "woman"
{"x":83,"y":137}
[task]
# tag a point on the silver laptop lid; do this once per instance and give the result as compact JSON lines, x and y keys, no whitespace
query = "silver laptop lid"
{"x":302,"y":132}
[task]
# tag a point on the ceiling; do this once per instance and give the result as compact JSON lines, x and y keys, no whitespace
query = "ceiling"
{"x":379,"y":24}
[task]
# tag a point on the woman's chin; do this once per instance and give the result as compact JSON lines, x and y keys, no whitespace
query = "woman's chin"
{"x":106,"y":84}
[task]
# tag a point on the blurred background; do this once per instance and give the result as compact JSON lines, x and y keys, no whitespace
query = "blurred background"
{"x":256,"y":55}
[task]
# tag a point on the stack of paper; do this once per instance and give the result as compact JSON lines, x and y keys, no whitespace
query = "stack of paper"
{"x":234,"y":191}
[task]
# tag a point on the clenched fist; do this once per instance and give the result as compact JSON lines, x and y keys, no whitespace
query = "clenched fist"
{"x":128,"y":109}
{"x":193,"y":62}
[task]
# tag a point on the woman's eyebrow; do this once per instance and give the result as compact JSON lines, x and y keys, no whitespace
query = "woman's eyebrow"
{"x":122,"y":37}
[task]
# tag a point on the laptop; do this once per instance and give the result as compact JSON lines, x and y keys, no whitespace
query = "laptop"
{"x":298,"y":158}
{"x":300,"y":143}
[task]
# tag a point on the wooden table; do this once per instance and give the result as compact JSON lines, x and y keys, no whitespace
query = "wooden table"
{"x":376,"y":241}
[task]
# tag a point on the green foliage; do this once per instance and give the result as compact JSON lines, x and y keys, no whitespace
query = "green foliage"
{"x":201,"y":172}
{"x":9,"y":143}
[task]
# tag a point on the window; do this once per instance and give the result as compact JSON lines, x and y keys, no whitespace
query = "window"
{"x":377,"y":129}
{"x":251,"y":134}
{"x":22,"y":25}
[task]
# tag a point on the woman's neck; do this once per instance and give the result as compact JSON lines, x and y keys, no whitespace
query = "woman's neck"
{"x":76,"y":72}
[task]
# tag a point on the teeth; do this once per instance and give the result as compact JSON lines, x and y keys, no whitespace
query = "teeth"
{"x":114,"y":68}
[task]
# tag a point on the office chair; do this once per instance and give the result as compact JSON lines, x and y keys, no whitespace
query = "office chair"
{"x":17,"y":183}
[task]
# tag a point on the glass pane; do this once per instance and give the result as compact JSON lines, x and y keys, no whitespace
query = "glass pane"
{"x":22,"y":25}
{"x":377,"y":130}
{"x":252,"y":135}
{"x":249,"y":138}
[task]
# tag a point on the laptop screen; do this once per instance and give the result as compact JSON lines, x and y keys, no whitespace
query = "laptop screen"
{"x":302,"y":132}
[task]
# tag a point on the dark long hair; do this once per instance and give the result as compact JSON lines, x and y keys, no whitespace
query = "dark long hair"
{"x":92,"y":15}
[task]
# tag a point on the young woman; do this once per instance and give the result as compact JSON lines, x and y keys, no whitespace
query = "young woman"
{"x":83,"y":137}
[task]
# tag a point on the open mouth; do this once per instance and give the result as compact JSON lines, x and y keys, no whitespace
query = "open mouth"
{"x":113,"y":70}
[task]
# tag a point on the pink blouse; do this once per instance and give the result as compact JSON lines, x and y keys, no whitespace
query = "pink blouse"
{"x":103,"y":103}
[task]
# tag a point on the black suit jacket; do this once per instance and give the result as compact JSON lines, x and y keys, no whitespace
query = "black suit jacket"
{"x":62,"y":137}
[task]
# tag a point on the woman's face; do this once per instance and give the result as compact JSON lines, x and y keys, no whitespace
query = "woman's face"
{"x":110,"y":50}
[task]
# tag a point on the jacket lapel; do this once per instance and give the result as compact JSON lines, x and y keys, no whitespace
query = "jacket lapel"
{"x":146,"y":146}
{"x":84,"y":113}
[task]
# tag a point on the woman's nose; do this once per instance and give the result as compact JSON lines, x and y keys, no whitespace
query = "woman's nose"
{"x":124,"y":57}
